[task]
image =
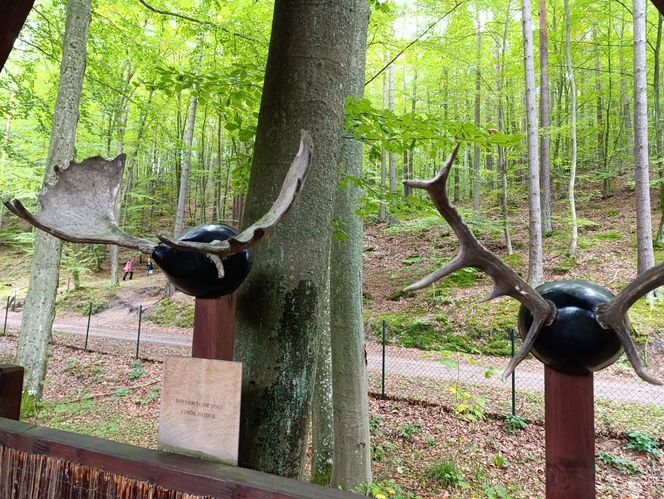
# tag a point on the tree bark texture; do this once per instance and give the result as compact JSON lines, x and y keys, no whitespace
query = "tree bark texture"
{"x":572,"y":136}
{"x":535,"y":264}
{"x":645,"y":254}
{"x":45,"y":271}
{"x":544,"y":110}
{"x":280,"y":305}
{"x":352,"y":456}
{"x":186,"y":161}
{"x":477,"y":178}
{"x":391,"y":218}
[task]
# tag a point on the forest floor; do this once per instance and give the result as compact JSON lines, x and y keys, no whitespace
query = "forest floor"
{"x":420,"y":443}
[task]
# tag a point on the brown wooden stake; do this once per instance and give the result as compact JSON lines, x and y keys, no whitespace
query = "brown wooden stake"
{"x":11,"y":389}
{"x":570,"y":435}
{"x":214,"y":328}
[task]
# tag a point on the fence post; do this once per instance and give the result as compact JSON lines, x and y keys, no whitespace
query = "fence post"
{"x":87,"y":329}
{"x":382,"y":377}
{"x":138,"y":338}
{"x":11,"y":390}
{"x":4,"y":329}
{"x":513,"y":340}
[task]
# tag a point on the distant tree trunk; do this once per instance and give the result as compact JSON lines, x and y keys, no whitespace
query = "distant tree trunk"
{"x":599,"y":123}
{"x":572,"y":134}
{"x":391,"y":218}
{"x":477,"y":179}
{"x":352,"y":456}
{"x":659,"y":138}
{"x":535,"y":263}
{"x":413,"y":108}
{"x":186,"y":161}
{"x":645,"y":254}
{"x":382,"y":215}
{"x":45,"y":272}
{"x":406,"y":189}
{"x":502,"y":162}
{"x":305,"y":88}
{"x":627,"y":115}
{"x":544,"y":110}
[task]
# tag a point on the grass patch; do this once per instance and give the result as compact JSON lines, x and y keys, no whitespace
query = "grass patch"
{"x":170,"y":312}
{"x":79,"y":300}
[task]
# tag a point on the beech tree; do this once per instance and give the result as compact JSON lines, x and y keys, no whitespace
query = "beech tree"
{"x":535,"y":263}
{"x":39,"y":308}
{"x":280,"y":306}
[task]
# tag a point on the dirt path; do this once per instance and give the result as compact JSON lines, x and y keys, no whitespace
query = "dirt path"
{"x":400,"y":361}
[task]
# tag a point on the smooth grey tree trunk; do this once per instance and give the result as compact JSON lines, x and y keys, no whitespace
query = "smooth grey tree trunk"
{"x":352,"y":456}
{"x":382,"y":215}
{"x":659,"y":136}
{"x":477,"y":179}
{"x":280,"y":306}
{"x":535,"y":263}
{"x":186,"y":162}
{"x":544,"y":112}
{"x":645,"y":254}
{"x":391,"y":218}
{"x":45,"y":271}
{"x":572,"y":136}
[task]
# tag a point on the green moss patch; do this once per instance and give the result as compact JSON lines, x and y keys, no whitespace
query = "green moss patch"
{"x":80,"y":300}
{"x":170,"y":312}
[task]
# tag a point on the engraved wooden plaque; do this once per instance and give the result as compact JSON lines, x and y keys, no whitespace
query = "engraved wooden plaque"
{"x":200,"y":408}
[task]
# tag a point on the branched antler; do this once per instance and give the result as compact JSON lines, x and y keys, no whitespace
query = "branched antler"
{"x":473,"y":254}
{"x":612,"y":315}
{"x":252,"y":234}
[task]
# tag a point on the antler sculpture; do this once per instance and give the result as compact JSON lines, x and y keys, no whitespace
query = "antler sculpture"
{"x":610,"y":316}
{"x":79,"y":207}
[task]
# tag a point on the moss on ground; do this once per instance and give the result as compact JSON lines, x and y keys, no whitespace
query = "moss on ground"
{"x":79,"y":300}
{"x":168,"y":312}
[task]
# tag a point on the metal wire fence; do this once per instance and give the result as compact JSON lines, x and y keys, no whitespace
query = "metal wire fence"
{"x":472,"y":385}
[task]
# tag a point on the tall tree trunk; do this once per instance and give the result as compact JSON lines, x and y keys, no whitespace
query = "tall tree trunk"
{"x":626,"y":114}
{"x":45,"y":271}
{"x":659,"y":138}
{"x":535,"y":263}
{"x":572,"y":134}
{"x":352,"y":456}
{"x":391,"y":218}
{"x":413,"y":108}
{"x":477,"y":179}
{"x":280,"y":306}
{"x":645,"y":254}
{"x":186,"y":162}
{"x":544,"y":110}
{"x":382,"y":215}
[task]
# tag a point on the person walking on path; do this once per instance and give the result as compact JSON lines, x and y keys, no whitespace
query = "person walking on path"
{"x":128,"y":269}
{"x":149,"y":267}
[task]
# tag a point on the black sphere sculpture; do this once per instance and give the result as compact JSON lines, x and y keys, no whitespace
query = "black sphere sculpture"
{"x":574,"y":343}
{"x":195,"y":273}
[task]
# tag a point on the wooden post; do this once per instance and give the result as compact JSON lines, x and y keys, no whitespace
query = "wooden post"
{"x":214,"y":328}
{"x":11,"y":389}
{"x":570,"y":435}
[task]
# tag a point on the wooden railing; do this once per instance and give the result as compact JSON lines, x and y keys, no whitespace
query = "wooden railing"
{"x":38,"y":462}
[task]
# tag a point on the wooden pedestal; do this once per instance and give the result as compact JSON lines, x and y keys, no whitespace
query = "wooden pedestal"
{"x":214,"y":328}
{"x":570,"y":435}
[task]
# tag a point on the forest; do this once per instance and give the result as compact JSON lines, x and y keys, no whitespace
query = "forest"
{"x":556,"y":106}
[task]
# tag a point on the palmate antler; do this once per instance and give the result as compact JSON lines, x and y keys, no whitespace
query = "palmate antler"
{"x":472,"y":253}
{"x":79,"y":207}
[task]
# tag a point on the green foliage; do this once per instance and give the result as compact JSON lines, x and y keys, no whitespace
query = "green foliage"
{"x":408,"y":430}
{"x":374,"y":422}
{"x":169,"y":312}
{"x":619,"y":463}
{"x":136,"y":370}
{"x":499,"y":461}
{"x":384,"y":489}
{"x":470,"y":406}
{"x":513,"y":424}
{"x":640,"y":442}
{"x":447,"y":474}
{"x":123,"y":391}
